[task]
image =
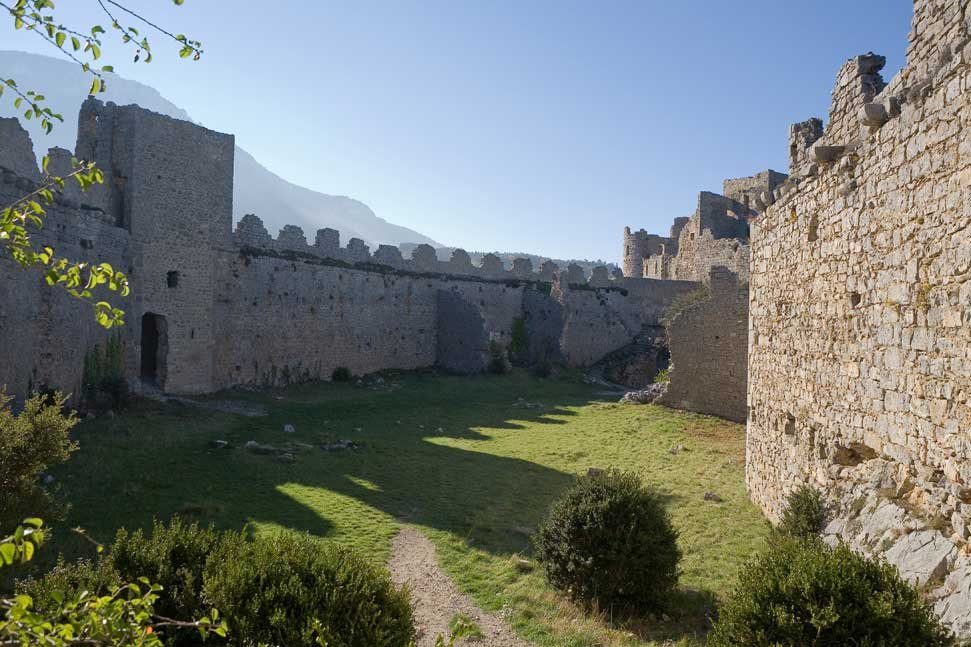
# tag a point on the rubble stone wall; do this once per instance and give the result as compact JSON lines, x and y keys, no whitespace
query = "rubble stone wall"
{"x":708,"y":342}
{"x":859,"y":372}
{"x":242,"y":307}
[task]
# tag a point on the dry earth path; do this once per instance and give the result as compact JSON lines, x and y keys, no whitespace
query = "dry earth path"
{"x":435,"y":597}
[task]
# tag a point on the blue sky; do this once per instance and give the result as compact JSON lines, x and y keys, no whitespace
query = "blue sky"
{"x":516,"y":126}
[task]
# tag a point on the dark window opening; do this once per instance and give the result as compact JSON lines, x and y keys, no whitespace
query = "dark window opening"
{"x":855,"y":299}
{"x":172,"y":279}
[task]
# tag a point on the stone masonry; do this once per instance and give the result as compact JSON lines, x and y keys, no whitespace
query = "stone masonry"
{"x":707,"y":340}
{"x":213,"y":308}
{"x":860,"y":329}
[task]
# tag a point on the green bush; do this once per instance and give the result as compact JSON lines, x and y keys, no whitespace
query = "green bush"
{"x":103,"y":383}
{"x":292,"y":590}
{"x":805,"y":513}
{"x":67,"y":579}
{"x":608,"y":540}
{"x":173,"y":555}
{"x":803,"y":592}
{"x":31,"y":442}
{"x":519,"y":342}
{"x":497,"y":359}
{"x":341,"y":374}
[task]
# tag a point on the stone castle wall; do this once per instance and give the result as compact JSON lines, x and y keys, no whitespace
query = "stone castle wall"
{"x":48,"y":332}
{"x":213,"y":308}
{"x":708,"y":342}
{"x":859,"y":373}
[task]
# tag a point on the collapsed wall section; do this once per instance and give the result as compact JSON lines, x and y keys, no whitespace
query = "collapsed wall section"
{"x":859,"y":375}
{"x":708,"y":342}
{"x":598,"y":321}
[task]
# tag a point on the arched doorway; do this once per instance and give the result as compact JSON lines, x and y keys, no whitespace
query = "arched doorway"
{"x":154,"y":347}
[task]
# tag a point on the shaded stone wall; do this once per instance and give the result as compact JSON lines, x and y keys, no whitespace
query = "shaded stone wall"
{"x":47,"y":331}
{"x":708,"y":342}
{"x":859,"y":374}
{"x":282,"y":321}
{"x":598,"y":321}
{"x":243,"y":307}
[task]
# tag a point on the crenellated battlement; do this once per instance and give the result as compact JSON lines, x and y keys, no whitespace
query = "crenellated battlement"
{"x":252,"y":234}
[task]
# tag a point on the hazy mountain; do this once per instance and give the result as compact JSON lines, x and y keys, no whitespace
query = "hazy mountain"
{"x":255,"y":189}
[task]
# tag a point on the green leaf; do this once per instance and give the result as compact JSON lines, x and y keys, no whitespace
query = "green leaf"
{"x":7,"y":553}
{"x":59,"y":38}
{"x":75,"y":43}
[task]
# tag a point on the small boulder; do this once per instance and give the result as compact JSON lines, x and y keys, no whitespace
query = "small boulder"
{"x":711,"y":496}
{"x":219,"y":444}
{"x":289,"y":429}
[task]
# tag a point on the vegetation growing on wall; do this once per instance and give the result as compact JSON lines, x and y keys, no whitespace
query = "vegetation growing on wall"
{"x":103,"y":384}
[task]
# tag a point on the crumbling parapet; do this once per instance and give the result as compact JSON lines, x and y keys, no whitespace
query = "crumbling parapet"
{"x":802,"y":136}
{"x":357,"y":251}
{"x":599,"y":277}
{"x":461,"y":263}
{"x":389,"y":255}
{"x":291,"y":238}
{"x":250,"y":232}
{"x":424,"y":258}
{"x":327,"y":243}
{"x":549,"y":269}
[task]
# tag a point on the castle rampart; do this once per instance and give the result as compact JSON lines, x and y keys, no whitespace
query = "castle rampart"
{"x":860,"y":303}
{"x":212,"y":307}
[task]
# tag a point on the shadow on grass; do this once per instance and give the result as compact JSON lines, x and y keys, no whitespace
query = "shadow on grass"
{"x":418,"y":462}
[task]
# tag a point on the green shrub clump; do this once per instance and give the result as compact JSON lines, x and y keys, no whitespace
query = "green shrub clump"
{"x":103,"y":383}
{"x":497,"y":359}
{"x":608,"y":541}
{"x":174,"y":556}
{"x":805,"y":513}
{"x":30,"y":442}
{"x":293,"y":590}
{"x":280,"y":590}
{"x":803,"y":592}
{"x":341,"y":374}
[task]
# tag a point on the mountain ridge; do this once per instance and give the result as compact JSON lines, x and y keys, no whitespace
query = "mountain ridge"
{"x":256,"y":189}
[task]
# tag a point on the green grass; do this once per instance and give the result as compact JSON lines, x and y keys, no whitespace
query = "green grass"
{"x":462,"y":458}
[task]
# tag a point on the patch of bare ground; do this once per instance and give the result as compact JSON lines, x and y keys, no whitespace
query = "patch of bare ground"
{"x":436,"y":599}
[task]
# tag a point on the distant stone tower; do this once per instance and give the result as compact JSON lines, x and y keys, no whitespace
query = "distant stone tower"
{"x":639,"y":245}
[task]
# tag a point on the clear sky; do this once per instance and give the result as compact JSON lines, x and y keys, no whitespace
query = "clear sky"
{"x":517,"y":125}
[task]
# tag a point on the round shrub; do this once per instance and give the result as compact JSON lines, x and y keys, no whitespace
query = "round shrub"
{"x":803,"y":592}
{"x":292,"y":590}
{"x":805,"y":513}
{"x":341,"y":374}
{"x":608,"y":540}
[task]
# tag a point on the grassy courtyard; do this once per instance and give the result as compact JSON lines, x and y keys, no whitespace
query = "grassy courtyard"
{"x":472,"y":462}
